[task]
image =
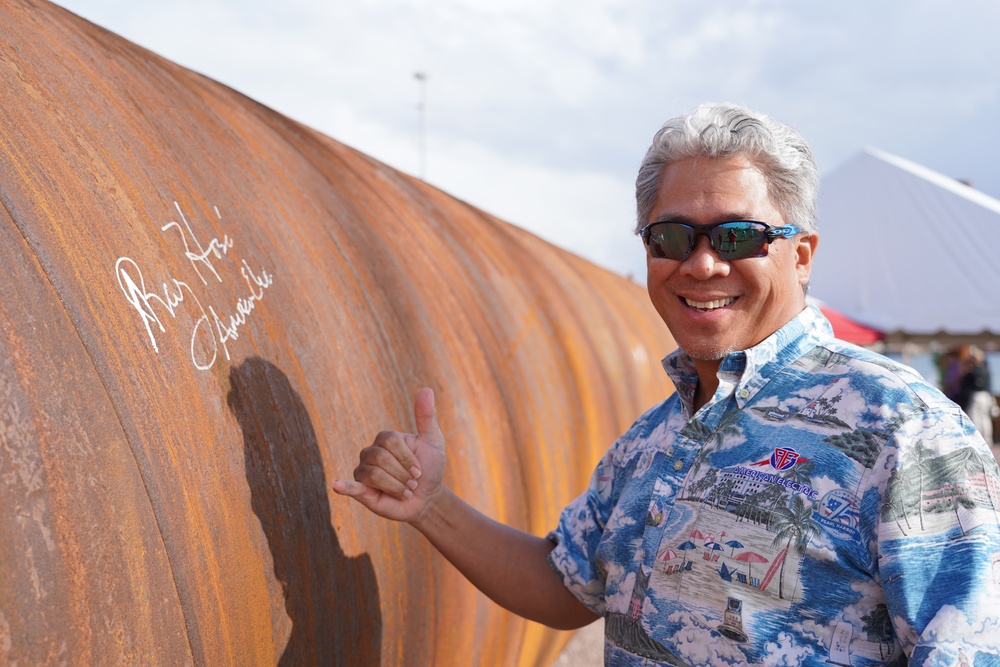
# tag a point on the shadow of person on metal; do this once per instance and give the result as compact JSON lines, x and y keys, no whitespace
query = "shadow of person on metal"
{"x":332,"y":600}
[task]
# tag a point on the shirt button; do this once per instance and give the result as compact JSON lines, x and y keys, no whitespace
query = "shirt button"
{"x":744,"y":393}
{"x":678,"y":464}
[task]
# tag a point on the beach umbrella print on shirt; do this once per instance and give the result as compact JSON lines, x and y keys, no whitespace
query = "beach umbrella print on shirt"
{"x":735,"y":544}
{"x":713,"y":546}
{"x":667,"y":554}
{"x":750,"y":557}
{"x":685,"y":546}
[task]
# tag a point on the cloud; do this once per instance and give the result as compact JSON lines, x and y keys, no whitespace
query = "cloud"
{"x":785,"y":652}
{"x":619,"y":600}
{"x":824,"y":484}
{"x":620,"y":520}
{"x":869,"y":596}
{"x":540,"y":112}
{"x":816,"y":631}
{"x":822,"y":548}
{"x":695,"y":644}
{"x":951,"y":627}
{"x":868,"y":590}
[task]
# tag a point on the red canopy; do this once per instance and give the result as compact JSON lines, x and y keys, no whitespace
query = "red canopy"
{"x":847,"y":329}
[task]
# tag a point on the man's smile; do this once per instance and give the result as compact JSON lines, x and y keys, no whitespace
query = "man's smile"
{"x":706,"y":306}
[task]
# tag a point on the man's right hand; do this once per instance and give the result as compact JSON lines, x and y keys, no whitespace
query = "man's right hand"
{"x":399,"y":475}
{"x":399,"y":478}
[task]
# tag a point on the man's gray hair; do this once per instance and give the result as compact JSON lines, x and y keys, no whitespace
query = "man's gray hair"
{"x":730,"y":130}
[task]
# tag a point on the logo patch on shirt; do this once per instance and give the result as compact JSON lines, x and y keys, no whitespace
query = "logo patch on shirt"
{"x":838,"y":513}
{"x":782,"y":458}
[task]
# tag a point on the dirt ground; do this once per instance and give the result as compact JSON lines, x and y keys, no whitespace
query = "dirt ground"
{"x":586,"y":649}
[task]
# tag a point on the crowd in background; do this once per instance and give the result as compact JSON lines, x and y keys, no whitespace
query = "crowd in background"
{"x":965,"y":379}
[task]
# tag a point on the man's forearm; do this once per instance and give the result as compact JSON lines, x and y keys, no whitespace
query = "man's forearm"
{"x":509,"y":565}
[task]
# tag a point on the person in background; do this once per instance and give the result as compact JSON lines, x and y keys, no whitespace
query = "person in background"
{"x":797,"y":501}
{"x":975,"y":395}
{"x":950,"y":369}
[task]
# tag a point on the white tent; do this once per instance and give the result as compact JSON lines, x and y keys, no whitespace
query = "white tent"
{"x":908,"y":251}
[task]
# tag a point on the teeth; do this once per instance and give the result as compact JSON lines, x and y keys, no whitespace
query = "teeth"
{"x":709,"y":305}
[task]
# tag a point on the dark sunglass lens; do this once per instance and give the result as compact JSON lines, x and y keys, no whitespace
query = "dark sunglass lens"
{"x":739,"y":240}
{"x":670,"y":240}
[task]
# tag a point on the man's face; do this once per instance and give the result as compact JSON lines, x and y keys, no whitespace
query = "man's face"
{"x":713,"y":307}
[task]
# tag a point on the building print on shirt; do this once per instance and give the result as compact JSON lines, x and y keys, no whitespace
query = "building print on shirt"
{"x":957,"y":484}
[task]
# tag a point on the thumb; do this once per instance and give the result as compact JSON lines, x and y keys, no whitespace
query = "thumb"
{"x":426,"y":416}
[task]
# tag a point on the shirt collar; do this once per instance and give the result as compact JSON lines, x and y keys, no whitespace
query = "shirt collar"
{"x":744,"y":373}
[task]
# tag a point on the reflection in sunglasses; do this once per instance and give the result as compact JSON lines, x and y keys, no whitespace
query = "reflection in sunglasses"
{"x":731,"y":240}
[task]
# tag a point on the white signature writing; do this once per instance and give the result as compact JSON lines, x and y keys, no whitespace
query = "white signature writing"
{"x":243,"y":306}
{"x":210,"y":329}
{"x":216,"y":247}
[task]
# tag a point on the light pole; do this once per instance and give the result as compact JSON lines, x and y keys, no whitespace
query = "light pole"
{"x":421,"y":77}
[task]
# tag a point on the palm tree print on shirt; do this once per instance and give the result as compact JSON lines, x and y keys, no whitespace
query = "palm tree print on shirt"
{"x":878,"y":628}
{"x":795,"y":527}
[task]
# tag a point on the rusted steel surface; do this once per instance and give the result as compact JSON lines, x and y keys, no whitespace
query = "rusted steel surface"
{"x":206,"y":310}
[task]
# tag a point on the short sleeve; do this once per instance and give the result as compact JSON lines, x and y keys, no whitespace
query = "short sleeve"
{"x":938,"y":540}
{"x":576,"y":538}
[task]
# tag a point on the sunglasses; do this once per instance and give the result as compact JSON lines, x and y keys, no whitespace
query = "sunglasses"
{"x":739,"y":239}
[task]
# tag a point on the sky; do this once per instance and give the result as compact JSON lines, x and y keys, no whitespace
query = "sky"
{"x":539,"y":111}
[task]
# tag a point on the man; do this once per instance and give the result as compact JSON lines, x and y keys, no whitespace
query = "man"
{"x":799,"y":500}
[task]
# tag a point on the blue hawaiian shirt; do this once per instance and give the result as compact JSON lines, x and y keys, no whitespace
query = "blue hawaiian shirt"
{"x":826,"y":506}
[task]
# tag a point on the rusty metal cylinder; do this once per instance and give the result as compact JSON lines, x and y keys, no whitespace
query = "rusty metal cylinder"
{"x":206,"y":310}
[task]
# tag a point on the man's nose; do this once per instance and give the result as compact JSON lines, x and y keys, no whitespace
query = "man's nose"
{"x":703,"y":262}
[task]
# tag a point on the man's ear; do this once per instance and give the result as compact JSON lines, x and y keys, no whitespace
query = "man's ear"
{"x":805,"y":250}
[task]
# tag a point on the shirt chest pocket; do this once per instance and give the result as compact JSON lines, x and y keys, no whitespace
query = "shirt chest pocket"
{"x":638,"y":515}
